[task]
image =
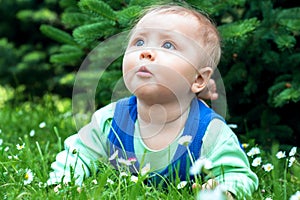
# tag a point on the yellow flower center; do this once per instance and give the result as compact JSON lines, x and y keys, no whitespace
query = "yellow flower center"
{"x":26,"y":176}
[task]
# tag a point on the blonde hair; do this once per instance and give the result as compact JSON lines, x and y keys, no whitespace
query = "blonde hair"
{"x":209,"y":35}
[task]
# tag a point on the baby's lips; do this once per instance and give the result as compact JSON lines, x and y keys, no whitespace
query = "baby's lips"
{"x":143,"y":72}
{"x":144,"y":69}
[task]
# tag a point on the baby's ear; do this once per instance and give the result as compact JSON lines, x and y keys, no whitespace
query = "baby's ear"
{"x":202,"y":79}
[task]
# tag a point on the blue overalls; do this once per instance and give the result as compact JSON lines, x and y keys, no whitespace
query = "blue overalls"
{"x":121,"y":135}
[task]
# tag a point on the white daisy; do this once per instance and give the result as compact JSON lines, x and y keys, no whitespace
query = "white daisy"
{"x":123,"y":174}
{"x":132,"y":160}
{"x":253,"y":151}
{"x":110,"y":181}
{"x":295,"y":196}
{"x":293,"y":151}
{"x":291,"y":161}
{"x":42,"y":125}
{"x":233,"y":126}
{"x":20,"y":147}
{"x":145,"y":169}
{"x":256,"y":162}
{"x":124,"y":162}
{"x":114,"y":155}
{"x":28,"y":177}
{"x":199,"y":165}
{"x":134,"y":179}
{"x":32,"y":133}
{"x":245,"y":145}
{"x":185,"y":140}
{"x":181,"y":185}
{"x":268,"y":167}
{"x":280,"y":154}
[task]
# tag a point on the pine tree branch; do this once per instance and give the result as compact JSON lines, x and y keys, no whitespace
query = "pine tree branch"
{"x":57,"y":34}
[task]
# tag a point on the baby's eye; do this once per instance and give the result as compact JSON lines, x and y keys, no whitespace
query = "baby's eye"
{"x":168,"y":45}
{"x":139,"y":43}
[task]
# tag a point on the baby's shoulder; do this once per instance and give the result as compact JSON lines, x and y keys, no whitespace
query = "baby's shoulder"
{"x":218,"y":128}
{"x":105,"y":112}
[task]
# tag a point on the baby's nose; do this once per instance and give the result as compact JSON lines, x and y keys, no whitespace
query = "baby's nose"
{"x":147,"y":55}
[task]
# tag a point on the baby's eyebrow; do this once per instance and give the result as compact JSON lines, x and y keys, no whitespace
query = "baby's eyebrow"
{"x":140,"y":32}
{"x":143,"y":32}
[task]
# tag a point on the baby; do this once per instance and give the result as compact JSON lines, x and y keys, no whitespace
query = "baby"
{"x":171,"y":55}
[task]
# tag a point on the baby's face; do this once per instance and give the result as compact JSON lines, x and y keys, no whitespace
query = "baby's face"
{"x":163,"y":55}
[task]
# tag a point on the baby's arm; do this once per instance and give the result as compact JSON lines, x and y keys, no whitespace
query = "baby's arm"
{"x":82,"y":150}
{"x":230,"y":163}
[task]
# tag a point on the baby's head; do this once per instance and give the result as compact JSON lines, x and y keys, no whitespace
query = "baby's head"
{"x":207,"y":34}
{"x":168,"y":46}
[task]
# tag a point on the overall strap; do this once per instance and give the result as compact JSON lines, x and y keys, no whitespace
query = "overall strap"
{"x":122,"y":128}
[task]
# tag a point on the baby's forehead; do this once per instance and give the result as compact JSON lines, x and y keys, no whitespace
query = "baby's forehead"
{"x":169,"y":22}
{"x":163,"y":15}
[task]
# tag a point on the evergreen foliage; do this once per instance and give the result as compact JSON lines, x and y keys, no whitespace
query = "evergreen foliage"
{"x":259,"y":65}
{"x":57,"y":34}
{"x":24,"y":51}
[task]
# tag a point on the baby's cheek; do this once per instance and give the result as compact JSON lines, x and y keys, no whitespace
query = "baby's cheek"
{"x":127,"y":63}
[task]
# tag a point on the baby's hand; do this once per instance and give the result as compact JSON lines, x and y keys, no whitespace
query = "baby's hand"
{"x":212,"y":184}
{"x":209,"y":92}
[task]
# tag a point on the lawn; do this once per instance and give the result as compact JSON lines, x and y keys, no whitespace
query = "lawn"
{"x":32,"y":133}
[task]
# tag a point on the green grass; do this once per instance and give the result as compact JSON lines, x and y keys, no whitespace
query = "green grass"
{"x":51,"y":121}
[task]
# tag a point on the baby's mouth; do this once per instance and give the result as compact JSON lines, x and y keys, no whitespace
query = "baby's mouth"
{"x":144,"y":72}
{"x":144,"y":69}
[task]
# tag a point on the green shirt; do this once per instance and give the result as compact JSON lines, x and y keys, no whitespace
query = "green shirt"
{"x":230,"y":164}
